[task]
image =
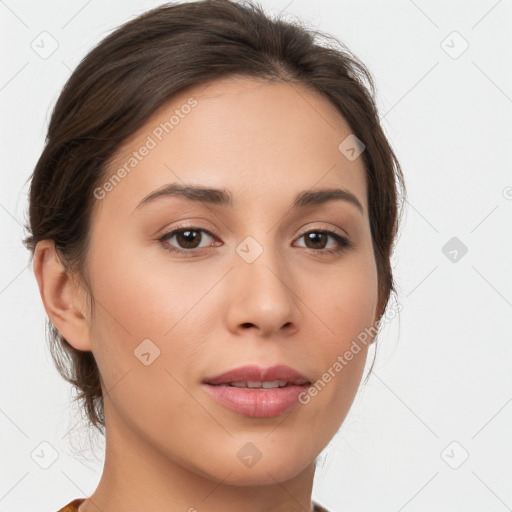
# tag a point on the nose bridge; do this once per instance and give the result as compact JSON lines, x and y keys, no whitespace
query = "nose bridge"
{"x":264,"y":295}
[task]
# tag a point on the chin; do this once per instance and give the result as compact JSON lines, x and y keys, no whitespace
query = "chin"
{"x":278,"y":468}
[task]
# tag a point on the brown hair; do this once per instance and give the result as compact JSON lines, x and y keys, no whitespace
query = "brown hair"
{"x":136,"y":69}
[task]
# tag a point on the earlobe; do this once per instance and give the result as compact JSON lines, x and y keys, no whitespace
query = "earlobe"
{"x":62,"y":298}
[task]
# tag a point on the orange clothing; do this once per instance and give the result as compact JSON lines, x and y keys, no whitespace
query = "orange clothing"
{"x":72,"y":506}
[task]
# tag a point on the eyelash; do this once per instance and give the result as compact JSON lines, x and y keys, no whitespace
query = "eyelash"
{"x":344,"y":242}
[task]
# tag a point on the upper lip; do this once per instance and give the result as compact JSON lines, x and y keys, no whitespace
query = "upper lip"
{"x":256,"y":374}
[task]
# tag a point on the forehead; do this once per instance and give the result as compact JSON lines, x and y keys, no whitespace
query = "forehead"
{"x":256,"y":138}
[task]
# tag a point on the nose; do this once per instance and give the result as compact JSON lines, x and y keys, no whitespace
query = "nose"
{"x":262,"y":298}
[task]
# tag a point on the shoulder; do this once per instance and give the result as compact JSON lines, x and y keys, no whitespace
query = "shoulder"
{"x":72,"y":506}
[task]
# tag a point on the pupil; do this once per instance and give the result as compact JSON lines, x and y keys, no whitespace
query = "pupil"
{"x":184,"y":238}
{"x":316,"y":236}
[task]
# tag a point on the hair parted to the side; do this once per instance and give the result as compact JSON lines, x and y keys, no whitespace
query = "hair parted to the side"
{"x":140,"y":66}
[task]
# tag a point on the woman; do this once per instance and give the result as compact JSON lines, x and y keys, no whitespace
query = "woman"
{"x":211,"y":221}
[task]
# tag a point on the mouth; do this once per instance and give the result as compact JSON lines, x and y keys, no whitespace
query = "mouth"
{"x":255,"y":377}
{"x":259,"y":385}
{"x":258,"y":392}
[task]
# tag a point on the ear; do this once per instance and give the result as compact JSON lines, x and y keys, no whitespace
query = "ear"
{"x":63,"y":298}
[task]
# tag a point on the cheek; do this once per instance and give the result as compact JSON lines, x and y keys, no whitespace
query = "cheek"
{"x":346,"y":304}
{"x":133,"y":296}
{"x":139,"y":318}
{"x":348,"y":298}
{"x":354,"y":305}
{"x":137,"y":301}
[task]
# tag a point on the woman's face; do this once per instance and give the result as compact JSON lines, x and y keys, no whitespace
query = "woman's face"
{"x":250,"y":282}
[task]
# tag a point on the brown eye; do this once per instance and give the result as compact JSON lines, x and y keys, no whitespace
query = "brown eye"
{"x":186,"y":239}
{"x":317,"y":240}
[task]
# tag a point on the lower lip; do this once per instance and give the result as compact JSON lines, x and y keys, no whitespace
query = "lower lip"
{"x":259,"y":402}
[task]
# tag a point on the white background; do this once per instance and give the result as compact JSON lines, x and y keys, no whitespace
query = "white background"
{"x":443,"y":370}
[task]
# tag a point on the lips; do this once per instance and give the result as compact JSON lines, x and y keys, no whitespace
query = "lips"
{"x":254,"y":377}
{"x":257,"y":392}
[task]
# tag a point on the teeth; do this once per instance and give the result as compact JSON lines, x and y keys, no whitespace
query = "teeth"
{"x":238,"y":384}
{"x":273,"y":384}
{"x":258,"y":384}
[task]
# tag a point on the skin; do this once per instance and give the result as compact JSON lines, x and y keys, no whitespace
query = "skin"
{"x":169,"y":445}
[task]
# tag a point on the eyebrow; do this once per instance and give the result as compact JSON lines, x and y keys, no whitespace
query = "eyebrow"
{"x":223,"y":197}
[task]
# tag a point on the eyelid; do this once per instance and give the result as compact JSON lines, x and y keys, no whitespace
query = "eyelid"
{"x":329,"y":228}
